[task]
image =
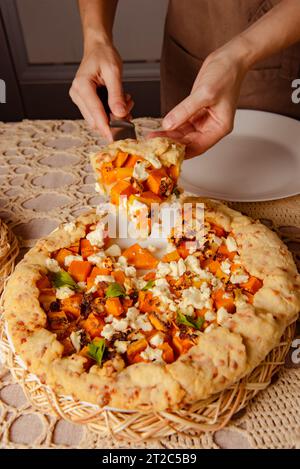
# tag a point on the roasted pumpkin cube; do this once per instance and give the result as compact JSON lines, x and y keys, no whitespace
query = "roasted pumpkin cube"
{"x":72,"y":305}
{"x":57,"y":320}
{"x":43,"y":283}
{"x":136,"y":347}
{"x":46,"y":297}
{"x":114,"y":306}
{"x":140,"y":257}
{"x":168,"y":353}
{"x":131,"y":160}
{"x":156,"y":322}
{"x":223,"y":253}
{"x":107,"y":173}
{"x":183,"y":250}
{"x":80,"y":270}
{"x":94,"y":273}
{"x":120,"y":159}
{"x":171,"y":256}
{"x":86,"y":248}
{"x":252,"y":285}
{"x":222,"y":299}
{"x":121,"y":188}
{"x":160,"y":183}
{"x":119,"y":276}
{"x":182,"y":345}
{"x":61,"y":255}
{"x":94,"y":325}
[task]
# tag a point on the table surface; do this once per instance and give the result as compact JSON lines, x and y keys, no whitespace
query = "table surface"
{"x":46,"y":179}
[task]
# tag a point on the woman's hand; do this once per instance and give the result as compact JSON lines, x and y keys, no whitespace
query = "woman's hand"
{"x":207,"y":114}
{"x":101,"y":66}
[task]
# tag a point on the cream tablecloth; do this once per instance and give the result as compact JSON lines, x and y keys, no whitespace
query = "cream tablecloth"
{"x":46,"y":179}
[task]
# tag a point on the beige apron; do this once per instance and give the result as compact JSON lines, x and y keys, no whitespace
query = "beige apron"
{"x":195,"y":28}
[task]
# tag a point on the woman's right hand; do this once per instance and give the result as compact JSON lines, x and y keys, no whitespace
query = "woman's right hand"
{"x":101,"y":66}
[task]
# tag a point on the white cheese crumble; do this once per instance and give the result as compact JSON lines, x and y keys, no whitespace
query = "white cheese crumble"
{"x":151,"y":248}
{"x":209,"y":316}
{"x":122,"y":262}
{"x":96,"y":237}
{"x":225,"y":267}
{"x":130,"y":271}
{"x":139,"y":171}
{"x":108,"y":331}
{"x":64,"y":292}
{"x":75,"y":338}
{"x":192,"y":264}
{"x":195,"y":297}
{"x":121,"y":345}
{"x":71,"y":258}
{"x":104,"y":278}
{"x":157,"y":339}
{"x":96,"y":258}
{"x":152,"y":354}
{"x":239,"y":278}
{"x":222,"y":315}
{"x":114,"y":250}
{"x":231,"y":244}
{"x":81,"y":285}
{"x":52,"y":265}
{"x":163,"y":269}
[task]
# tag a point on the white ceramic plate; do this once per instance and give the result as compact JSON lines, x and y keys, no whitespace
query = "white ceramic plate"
{"x":259,"y":160}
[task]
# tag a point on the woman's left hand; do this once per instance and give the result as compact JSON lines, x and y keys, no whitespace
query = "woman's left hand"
{"x":207,"y":114}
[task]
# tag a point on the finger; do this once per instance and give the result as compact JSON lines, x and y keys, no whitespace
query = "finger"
{"x":116,"y":98}
{"x":186,"y":109}
{"x":83,"y":109}
{"x":85,"y":90}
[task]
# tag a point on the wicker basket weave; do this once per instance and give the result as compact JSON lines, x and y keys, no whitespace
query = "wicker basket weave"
{"x":210,"y":414}
{"x":9,"y":249}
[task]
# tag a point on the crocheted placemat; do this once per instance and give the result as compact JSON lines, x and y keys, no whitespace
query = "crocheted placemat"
{"x":46,"y":179}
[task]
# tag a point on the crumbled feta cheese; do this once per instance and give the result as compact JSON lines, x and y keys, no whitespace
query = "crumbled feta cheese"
{"x":225,"y":267}
{"x":104,"y":278}
{"x":222,"y":315}
{"x":137,"y":208}
{"x":209,"y":316}
{"x":143,"y":323}
{"x":151,"y":248}
{"x":192,"y":264}
{"x":97,"y":258}
{"x":120,"y":325}
{"x":114,"y":250}
{"x":140,"y":283}
{"x":108,"y":331}
{"x":75,"y":338}
{"x":239,"y":278}
{"x":96,"y":237}
{"x":69,"y":259}
{"x":121,"y":345}
{"x":132,"y":313}
{"x":81,"y":285}
{"x":189,"y":310}
{"x":163,"y":269}
{"x":195,"y":297}
{"x":70,"y":227}
{"x":130,"y":271}
{"x":122,"y":262}
{"x":157,"y":339}
{"x":52,"y":265}
{"x":136,"y":336}
{"x":139,"y":171}
{"x":109,"y":318}
{"x":231,"y":244}
{"x":64,"y":292}
{"x":152,"y":354}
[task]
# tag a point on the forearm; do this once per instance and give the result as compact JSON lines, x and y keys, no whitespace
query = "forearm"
{"x":97,"y":17}
{"x":275,"y":31}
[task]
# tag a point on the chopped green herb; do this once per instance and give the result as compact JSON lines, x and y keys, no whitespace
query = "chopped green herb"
{"x":190,"y":322}
{"x":63,"y":279}
{"x":115,"y":289}
{"x":148,"y":285}
{"x":96,"y":349}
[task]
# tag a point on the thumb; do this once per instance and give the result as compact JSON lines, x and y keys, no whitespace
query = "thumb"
{"x":185,"y":110}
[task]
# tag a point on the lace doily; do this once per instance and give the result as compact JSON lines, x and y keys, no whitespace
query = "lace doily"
{"x":46,"y":179}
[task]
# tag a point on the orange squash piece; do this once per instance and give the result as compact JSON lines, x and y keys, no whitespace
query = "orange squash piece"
{"x":71,"y":305}
{"x":74,"y":248}
{"x":43,"y":283}
{"x":182,"y":345}
{"x":120,"y":159}
{"x":119,"y":276}
{"x":212,"y":266}
{"x":61,"y":255}
{"x":140,"y":257}
{"x":149,"y":276}
{"x":171,"y":256}
{"x":121,"y":188}
{"x":168,"y":353}
{"x":80,"y":270}
{"x":220,"y":300}
{"x":131,"y":160}
{"x":218,"y":230}
{"x":147,"y":302}
{"x":156,"y":322}
{"x":223,"y":251}
{"x":94,"y":325}
{"x":114,"y":306}
{"x":182,"y":250}
{"x":58,"y":320}
{"x":173,"y":172}
{"x":136,"y":347}
{"x":149,"y":198}
{"x":86,"y":249}
{"x":155,"y":181}
{"x":94,"y":273}
{"x":107,"y":173}
{"x":46,"y":297}
{"x":252,"y":285}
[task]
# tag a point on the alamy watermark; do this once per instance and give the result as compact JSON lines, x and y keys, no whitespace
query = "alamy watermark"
{"x":296,"y":92}
{"x":2,"y":92}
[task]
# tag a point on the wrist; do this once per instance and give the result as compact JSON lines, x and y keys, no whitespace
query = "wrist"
{"x":94,"y":39}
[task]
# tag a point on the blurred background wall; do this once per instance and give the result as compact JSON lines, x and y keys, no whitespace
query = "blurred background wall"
{"x":41,"y":47}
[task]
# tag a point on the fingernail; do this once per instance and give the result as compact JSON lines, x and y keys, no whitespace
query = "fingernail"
{"x":168,"y":122}
{"x":120,"y":109}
